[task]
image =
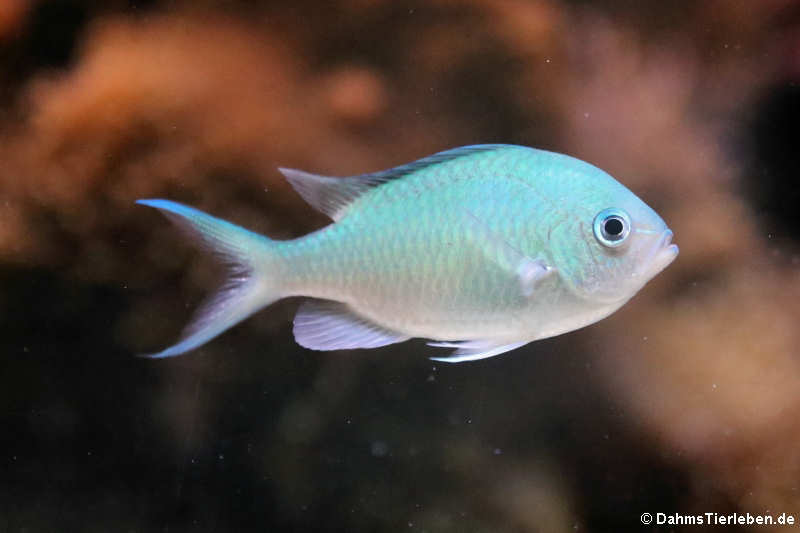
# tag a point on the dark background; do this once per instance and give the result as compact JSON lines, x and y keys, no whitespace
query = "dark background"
{"x":685,"y":401}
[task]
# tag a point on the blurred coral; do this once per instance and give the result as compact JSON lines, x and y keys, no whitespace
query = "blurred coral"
{"x":11,"y":14}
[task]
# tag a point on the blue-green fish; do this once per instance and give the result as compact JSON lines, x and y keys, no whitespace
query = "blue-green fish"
{"x":482,"y":248}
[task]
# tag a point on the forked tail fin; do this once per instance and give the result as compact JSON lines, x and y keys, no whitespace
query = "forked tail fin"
{"x":251,"y":282}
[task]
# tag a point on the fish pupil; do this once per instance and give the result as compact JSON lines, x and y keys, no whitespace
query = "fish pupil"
{"x":613,"y":227}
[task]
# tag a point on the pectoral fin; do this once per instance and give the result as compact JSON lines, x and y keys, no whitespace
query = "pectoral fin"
{"x":529,"y":272}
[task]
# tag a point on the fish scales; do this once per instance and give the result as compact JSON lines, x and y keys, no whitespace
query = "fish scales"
{"x":406,"y":256}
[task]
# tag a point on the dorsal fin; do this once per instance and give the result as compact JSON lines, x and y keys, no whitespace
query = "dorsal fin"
{"x":328,"y":195}
{"x":332,"y":195}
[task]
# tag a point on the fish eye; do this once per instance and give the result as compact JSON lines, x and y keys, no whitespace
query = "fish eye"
{"x":612,"y":227}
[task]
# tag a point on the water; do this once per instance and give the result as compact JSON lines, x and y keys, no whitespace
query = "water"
{"x":682,"y":402}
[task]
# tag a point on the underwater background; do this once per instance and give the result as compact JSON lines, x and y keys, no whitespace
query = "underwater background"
{"x":687,"y":400}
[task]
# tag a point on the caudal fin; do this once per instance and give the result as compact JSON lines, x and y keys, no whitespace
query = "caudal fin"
{"x":251,"y":283}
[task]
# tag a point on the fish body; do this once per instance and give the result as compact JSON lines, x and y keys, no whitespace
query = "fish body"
{"x":482,"y":248}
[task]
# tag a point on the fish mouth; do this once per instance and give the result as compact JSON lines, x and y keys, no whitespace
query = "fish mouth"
{"x":651,"y":260}
{"x":664,"y":253}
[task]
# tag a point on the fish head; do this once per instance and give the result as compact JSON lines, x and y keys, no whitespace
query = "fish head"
{"x":613,"y":246}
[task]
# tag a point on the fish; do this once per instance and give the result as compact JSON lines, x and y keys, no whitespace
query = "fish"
{"x":481,"y":249}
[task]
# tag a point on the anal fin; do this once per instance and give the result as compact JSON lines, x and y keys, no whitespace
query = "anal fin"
{"x":329,"y":325}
